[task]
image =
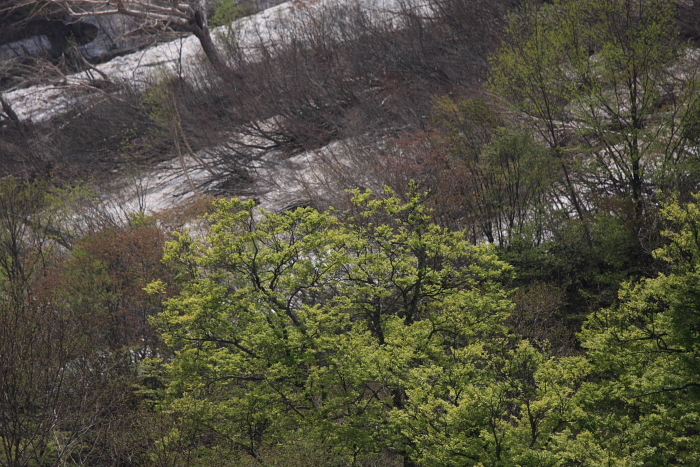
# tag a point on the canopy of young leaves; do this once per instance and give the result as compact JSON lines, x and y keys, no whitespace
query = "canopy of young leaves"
{"x":302,"y":326}
{"x":642,"y":407}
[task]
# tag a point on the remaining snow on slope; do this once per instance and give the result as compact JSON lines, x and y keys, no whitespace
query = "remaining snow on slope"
{"x":38,"y":103}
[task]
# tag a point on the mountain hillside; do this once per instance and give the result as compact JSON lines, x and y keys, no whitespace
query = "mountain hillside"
{"x":302,"y":76}
{"x":398,"y":233}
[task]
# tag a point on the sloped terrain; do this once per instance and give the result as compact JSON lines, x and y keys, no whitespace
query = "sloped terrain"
{"x":517,"y":286}
{"x":305,"y":75}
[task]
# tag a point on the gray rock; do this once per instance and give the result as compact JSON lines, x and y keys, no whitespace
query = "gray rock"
{"x":31,"y":46}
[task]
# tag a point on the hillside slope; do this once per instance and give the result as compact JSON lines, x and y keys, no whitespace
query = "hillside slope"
{"x":305,"y":75}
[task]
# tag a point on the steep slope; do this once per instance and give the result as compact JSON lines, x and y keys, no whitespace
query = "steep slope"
{"x":306,"y":76}
{"x":182,"y":56}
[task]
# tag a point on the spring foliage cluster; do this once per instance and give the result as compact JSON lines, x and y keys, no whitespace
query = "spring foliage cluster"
{"x":385,"y":335}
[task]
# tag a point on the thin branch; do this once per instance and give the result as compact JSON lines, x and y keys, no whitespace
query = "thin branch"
{"x":689,"y":385}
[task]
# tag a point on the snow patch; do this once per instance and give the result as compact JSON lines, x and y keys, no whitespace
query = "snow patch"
{"x":38,"y":103}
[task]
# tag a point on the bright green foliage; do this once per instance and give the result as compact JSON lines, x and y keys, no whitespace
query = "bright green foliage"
{"x":492,"y":406}
{"x":380,"y":338}
{"x":299,"y":326}
{"x":643,"y":409}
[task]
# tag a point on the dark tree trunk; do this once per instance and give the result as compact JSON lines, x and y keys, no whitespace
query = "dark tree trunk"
{"x":200,"y":29}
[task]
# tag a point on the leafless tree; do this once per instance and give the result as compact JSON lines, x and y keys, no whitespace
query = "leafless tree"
{"x":349,"y":72}
{"x":187,"y":15}
{"x":190,"y":16}
{"x":69,"y":334}
{"x":35,"y":346}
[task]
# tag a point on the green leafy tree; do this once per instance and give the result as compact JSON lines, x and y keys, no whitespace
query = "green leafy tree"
{"x":299,"y":329}
{"x":613,"y":93}
{"x":607,"y":84}
{"x":225,"y":13}
{"x":505,"y":177}
{"x":632,"y":400}
{"x":642,"y":406}
{"x":493,"y":407}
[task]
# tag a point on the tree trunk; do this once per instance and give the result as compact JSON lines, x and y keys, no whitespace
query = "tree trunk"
{"x":7,"y":108}
{"x":200,"y":29}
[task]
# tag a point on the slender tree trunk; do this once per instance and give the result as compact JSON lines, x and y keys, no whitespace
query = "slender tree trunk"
{"x":399,"y":396}
{"x":575,"y":200}
{"x":636,"y":180}
{"x":201,"y":31}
